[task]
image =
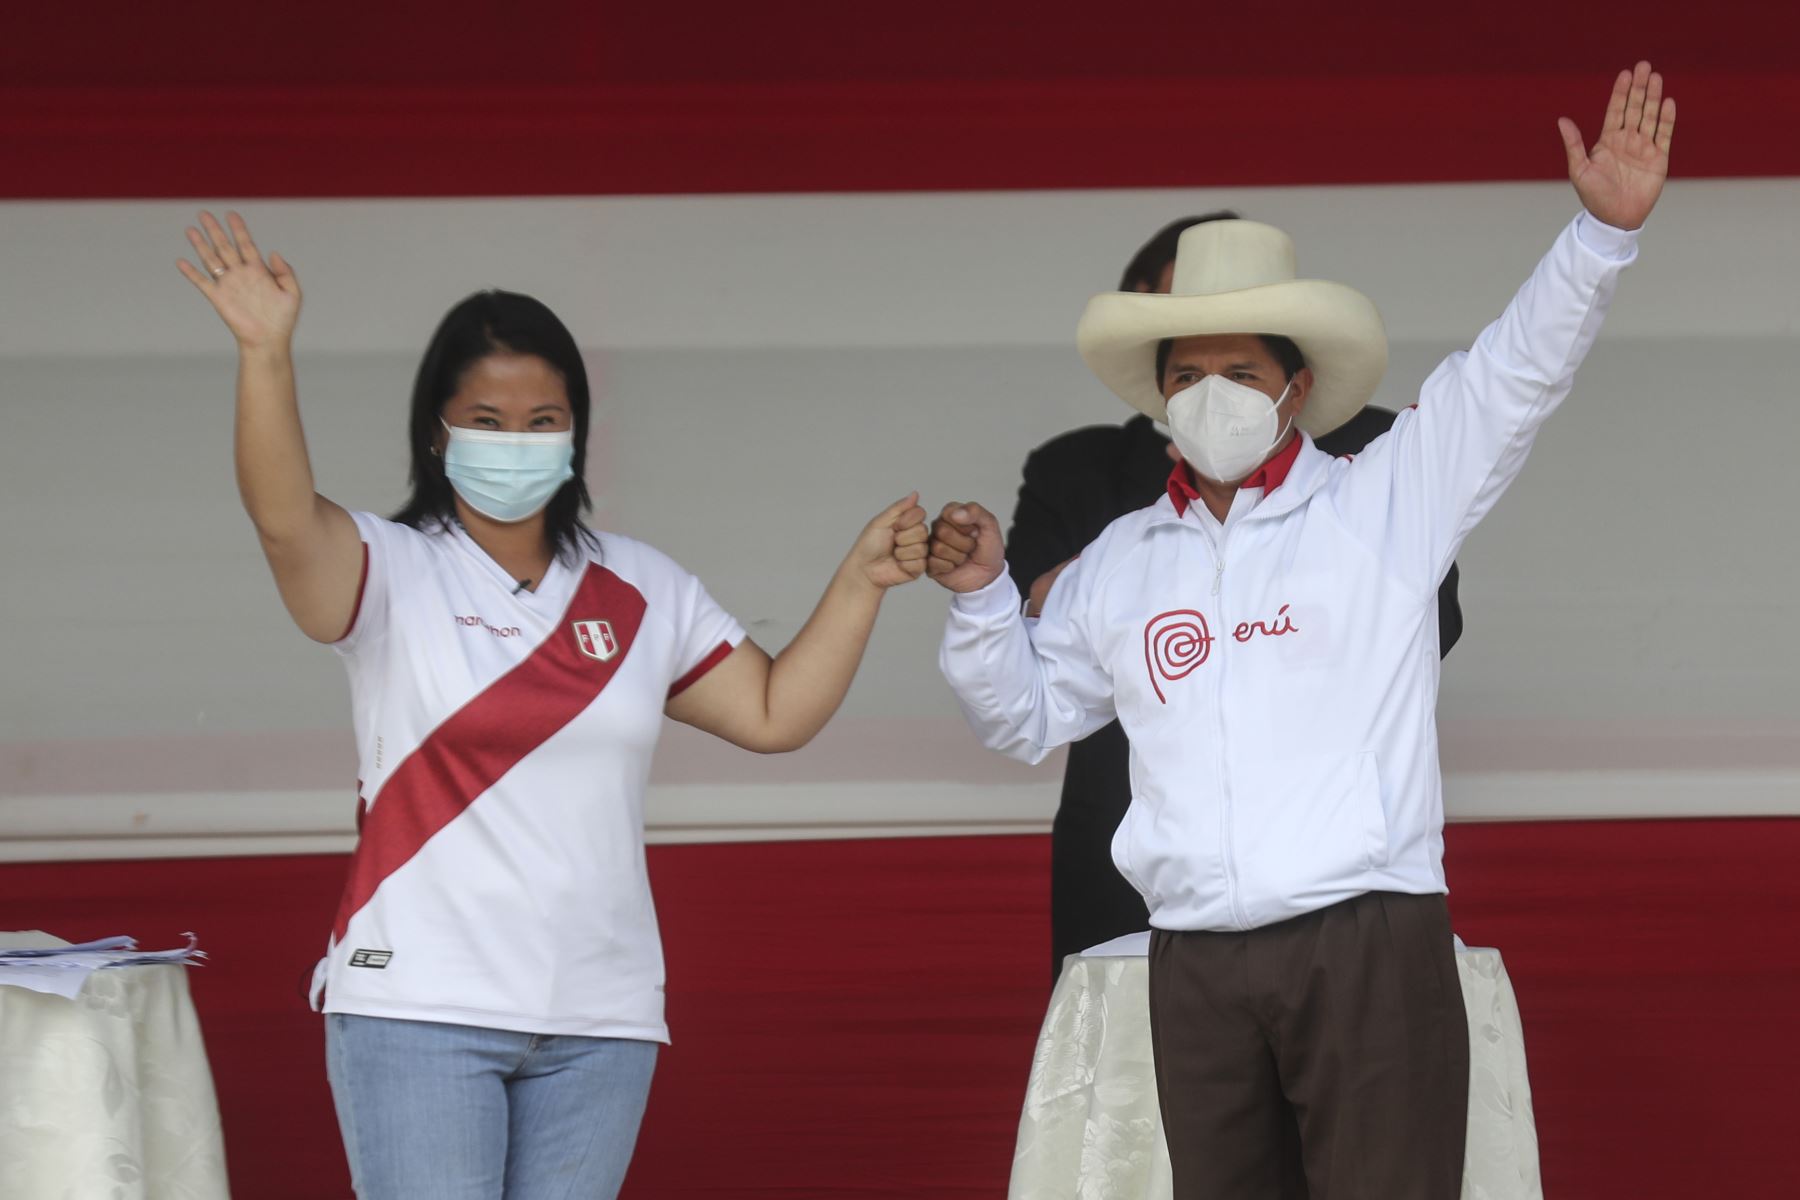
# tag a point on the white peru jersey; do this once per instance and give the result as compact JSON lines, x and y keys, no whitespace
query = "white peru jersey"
{"x":505,"y":738}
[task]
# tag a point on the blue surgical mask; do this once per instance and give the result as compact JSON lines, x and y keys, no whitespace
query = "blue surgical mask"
{"x":508,"y":476}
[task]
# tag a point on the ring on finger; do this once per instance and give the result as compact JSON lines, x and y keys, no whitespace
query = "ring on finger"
{"x":217,"y":272}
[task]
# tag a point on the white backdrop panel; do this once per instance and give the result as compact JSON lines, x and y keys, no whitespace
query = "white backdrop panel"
{"x":771,"y":370}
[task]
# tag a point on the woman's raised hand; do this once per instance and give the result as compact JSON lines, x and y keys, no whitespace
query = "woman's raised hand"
{"x":258,"y":301}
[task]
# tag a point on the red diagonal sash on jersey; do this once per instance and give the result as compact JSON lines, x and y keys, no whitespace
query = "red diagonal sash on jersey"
{"x":485,"y":738}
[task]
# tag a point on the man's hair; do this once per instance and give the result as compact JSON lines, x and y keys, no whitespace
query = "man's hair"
{"x":1285,"y":352}
{"x":1145,"y":269}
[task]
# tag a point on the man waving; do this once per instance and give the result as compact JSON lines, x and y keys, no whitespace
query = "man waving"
{"x":1266,"y":634}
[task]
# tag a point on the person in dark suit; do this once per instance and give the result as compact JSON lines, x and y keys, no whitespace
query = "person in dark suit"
{"x":1075,"y":485}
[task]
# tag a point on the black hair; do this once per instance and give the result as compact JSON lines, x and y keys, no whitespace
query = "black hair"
{"x":487,"y":323}
{"x":1145,"y":269}
{"x":1283,"y":349}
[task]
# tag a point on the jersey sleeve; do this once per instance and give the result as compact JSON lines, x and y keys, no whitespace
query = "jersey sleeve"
{"x":382,"y":543}
{"x":704,"y":632}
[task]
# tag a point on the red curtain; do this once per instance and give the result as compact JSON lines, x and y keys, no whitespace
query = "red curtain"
{"x":407,"y":98}
{"x":857,"y":1018}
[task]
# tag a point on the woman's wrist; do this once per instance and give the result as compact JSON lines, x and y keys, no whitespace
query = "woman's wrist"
{"x":274,"y":351}
{"x":852,"y":580}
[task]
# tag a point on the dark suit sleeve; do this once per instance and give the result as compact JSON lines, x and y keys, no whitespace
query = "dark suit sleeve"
{"x":1358,"y":432}
{"x":1044,"y":531}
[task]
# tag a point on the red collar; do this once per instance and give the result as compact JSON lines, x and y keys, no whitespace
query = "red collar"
{"x":1268,"y":477}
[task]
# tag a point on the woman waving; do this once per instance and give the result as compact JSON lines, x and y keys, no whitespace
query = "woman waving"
{"x":494,"y":979}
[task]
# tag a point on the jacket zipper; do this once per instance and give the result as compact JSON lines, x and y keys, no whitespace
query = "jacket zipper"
{"x":1225,"y":813}
{"x":1226,"y":825}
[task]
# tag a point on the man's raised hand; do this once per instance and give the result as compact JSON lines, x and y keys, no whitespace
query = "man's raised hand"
{"x":1621,"y":177}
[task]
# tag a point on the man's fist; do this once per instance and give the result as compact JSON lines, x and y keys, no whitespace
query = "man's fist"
{"x":966,"y":551}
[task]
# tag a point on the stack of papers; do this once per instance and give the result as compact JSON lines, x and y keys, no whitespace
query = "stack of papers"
{"x":62,"y":970}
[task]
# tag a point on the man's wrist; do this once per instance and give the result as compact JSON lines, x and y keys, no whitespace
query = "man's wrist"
{"x":1607,"y":241}
{"x":995,"y":597}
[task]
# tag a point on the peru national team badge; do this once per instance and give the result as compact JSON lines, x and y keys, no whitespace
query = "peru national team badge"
{"x":595,"y":639}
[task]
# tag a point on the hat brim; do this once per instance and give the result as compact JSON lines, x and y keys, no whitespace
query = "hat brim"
{"x":1336,"y":328}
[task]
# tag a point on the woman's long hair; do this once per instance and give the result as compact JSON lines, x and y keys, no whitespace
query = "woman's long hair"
{"x":495,"y":322}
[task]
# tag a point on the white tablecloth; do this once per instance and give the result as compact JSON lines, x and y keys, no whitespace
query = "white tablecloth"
{"x":1091,"y":1130}
{"x":107,"y":1096}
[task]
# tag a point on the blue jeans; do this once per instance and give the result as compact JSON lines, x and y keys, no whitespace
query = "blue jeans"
{"x":457,"y":1112}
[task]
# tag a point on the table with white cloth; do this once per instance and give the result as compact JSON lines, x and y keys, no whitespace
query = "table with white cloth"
{"x":107,"y":1096}
{"x":1091,"y":1129}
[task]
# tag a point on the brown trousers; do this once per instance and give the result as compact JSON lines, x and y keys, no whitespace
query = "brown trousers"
{"x":1323,"y":1058}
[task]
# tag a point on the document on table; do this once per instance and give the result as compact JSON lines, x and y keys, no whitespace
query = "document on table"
{"x":61,"y":969}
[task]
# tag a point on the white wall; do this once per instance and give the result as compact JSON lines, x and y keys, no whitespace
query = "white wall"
{"x":1631,"y":610}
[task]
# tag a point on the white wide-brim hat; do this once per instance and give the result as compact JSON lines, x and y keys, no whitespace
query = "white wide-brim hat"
{"x":1238,"y":277}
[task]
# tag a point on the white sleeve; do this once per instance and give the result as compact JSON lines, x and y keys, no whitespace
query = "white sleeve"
{"x":1418,"y":491}
{"x":381,"y":541}
{"x":705,"y":633}
{"x":1027,"y":687}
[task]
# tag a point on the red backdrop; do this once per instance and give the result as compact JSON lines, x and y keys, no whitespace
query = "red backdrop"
{"x":450,"y":97}
{"x":857,"y":1018}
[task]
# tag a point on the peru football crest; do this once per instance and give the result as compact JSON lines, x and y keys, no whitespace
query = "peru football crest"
{"x":595,"y":639}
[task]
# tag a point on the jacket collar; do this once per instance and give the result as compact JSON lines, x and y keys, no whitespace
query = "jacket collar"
{"x":1305,"y":474}
{"x":1291,"y":478}
{"x":1268,"y":477}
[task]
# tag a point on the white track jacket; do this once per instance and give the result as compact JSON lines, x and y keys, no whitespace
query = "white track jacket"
{"x":1278,"y":674}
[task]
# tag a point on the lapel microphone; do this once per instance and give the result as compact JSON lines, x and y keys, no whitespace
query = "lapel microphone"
{"x":523,"y":584}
